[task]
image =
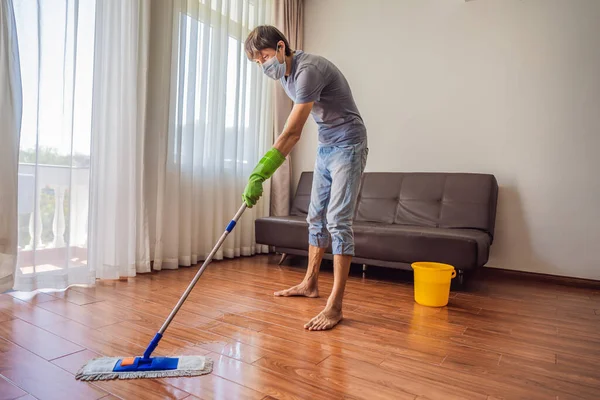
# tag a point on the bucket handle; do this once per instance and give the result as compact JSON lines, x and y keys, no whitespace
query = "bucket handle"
{"x":453,"y":274}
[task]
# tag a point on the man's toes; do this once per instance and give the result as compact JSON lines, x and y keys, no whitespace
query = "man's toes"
{"x":323,"y":324}
{"x":284,"y":293}
{"x":319,"y":323}
{"x":310,"y":323}
{"x":326,"y":324}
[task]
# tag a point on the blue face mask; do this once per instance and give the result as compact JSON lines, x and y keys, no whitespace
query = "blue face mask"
{"x":273,"y":68}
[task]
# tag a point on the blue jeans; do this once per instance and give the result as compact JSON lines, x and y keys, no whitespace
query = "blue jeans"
{"x":335,"y":187}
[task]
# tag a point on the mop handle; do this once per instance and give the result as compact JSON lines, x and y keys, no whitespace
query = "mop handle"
{"x":229,"y":228}
{"x":159,"y":334}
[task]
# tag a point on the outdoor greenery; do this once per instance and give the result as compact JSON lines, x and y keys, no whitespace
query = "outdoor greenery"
{"x":51,"y":156}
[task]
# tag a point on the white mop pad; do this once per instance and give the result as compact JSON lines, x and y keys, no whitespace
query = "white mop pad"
{"x":102,"y":369}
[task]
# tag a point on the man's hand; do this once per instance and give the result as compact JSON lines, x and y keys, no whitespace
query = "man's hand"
{"x":252,"y":192}
{"x":265,"y":168}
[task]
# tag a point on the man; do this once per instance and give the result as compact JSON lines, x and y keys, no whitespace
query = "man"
{"x":317,"y":87}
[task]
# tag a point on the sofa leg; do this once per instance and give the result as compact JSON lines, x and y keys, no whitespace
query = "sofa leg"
{"x":461,"y":277}
{"x":282,"y":259}
{"x":364,"y":267}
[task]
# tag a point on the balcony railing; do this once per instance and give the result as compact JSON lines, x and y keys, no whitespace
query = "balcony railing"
{"x":53,"y":216}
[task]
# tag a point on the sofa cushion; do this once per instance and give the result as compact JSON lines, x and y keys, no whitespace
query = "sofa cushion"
{"x":463,"y":248}
{"x":288,"y":232}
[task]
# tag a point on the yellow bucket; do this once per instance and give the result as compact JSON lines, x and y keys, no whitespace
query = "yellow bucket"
{"x":432,"y":283}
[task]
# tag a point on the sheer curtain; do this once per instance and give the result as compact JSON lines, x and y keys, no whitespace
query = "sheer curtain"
{"x":56,"y":46}
{"x":218,"y":125}
{"x":10,"y":120}
{"x":118,"y":225}
{"x":136,"y":152}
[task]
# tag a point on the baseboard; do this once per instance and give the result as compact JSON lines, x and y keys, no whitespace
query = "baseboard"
{"x":537,"y":276}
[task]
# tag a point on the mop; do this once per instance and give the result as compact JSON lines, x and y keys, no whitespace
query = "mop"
{"x":105,"y":368}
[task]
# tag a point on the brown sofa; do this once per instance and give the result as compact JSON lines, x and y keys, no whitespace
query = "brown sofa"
{"x":402,"y":218}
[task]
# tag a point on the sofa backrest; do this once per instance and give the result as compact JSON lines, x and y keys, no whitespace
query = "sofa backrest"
{"x":302,"y":196}
{"x":444,"y":200}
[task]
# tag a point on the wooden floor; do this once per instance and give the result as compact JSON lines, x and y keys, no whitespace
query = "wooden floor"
{"x":504,"y":338}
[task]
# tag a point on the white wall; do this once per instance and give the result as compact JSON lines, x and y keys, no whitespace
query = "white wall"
{"x":509,"y":87}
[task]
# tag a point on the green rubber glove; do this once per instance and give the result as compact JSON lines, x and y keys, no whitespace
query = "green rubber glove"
{"x":265,"y":168}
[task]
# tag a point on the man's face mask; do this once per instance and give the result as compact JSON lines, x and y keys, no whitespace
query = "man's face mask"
{"x":273,"y":68}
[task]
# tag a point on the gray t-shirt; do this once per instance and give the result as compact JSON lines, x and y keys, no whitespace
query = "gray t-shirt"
{"x":314,"y":78}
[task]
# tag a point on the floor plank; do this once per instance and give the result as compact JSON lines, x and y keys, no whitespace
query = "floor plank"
{"x":392,"y":375}
{"x":42,"y":379}
{"x":312,"y":353}
{"x":28,"y":312}
{"x":5,"y":316}
{"x":503,"y":338}
{"x":74,"y":297}
{"x":97,"y":341}
{"x":32,"y":297}
{"x":269,"y":382}
{"x":72,"y":363}
{"x":329,"y":346}
{"x":5,"y":345}
{"x":310,"y":374}
{"x":494,"y":341}
{"x":37,"y":340}
{"x":89,"y":315}
{"x":209,"y":387}
{"x":580,"y":381}
{"x":9,"y":391}
{"x":151,"y":389}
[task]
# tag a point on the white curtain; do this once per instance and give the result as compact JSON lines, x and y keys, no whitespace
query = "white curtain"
{"x":10,"y":121}
{"x":56,"y":46}
{"x":141,"y":122}
{"x":218,"y":125}
{"x":118,"y":224}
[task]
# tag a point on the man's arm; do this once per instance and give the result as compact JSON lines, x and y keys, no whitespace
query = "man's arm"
{"x":276,"y":155}
{"x":293,"y":128}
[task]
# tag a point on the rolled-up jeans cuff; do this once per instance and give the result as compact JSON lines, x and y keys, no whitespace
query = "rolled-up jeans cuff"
{"x":343,"y":249}
{"x":321,"y":241}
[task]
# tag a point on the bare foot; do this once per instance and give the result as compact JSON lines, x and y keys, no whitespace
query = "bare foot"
{"x":303,"y":289}
{"x":327,"y":319}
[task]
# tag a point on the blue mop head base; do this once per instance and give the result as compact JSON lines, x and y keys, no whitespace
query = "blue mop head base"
{"x":146,"y":364}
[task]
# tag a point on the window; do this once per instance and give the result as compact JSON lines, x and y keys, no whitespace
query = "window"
{"x":56,"y":49}
{"x":218,"y":91}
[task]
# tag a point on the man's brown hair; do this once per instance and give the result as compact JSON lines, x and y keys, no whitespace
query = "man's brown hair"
{"x":264,"y":37}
